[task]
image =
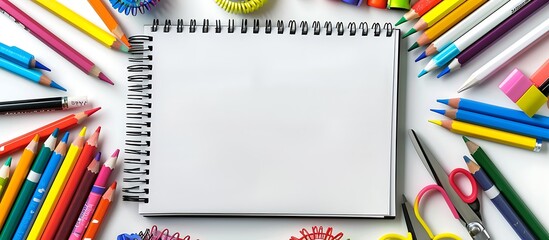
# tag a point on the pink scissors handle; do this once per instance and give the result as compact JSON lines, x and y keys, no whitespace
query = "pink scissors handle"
{"x":466,"y":198}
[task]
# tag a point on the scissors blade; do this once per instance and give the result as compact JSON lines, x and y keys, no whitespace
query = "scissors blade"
{"x":467,"y":216}
{"x":413,"y":225}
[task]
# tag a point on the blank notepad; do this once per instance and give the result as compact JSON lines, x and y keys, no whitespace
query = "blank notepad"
{"x":286,"y":123}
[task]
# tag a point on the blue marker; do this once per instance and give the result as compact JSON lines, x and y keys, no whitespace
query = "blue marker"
{"x":29,"y":74}
{"x":20,"y":57}
{"x":41,"y":189}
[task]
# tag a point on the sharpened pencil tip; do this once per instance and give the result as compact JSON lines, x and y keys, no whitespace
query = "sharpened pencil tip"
{"x":83,"y":132}
{"x":414,"y":46}
{"x":65,"y":138}
{"x":115,"y":153}
{"x":39,"y":65}
{"x":443,"y":101}
{"x":97,"y":156}
{"x":401,"y":21}
{"x":423,"y":72}
{"x":410,"y":32}
{"x":124,"y":48}
{"x":467,"y":159}
{"x":421,"y":56}
{"x":92,"y":111}
{"x":437,"y":122}
{"x":439,"y":111}
{"x":55,"y":132}
{"x":55,"y":85}
{"x":465,"y":139}
{"x":8,"y":162}
{"x":105,"y":79}
{"x":444,"y":72}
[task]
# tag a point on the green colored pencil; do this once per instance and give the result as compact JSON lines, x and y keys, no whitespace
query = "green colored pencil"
{"x":4,"y":176}
{"x":28,"y":187}
{"x":505,"y":188}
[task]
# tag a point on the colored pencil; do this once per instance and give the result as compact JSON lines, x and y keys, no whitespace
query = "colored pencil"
{"x":53,"y":41}
{"x":447,"y":22}
{"x":106,"y":16}
{"x":507,"y":190}
{"x":510,"y":139}
{"x":496,"y":123}
{"x":100,"y":213}
{"x":496,"y":111}
{"x":77,"y":202}
{"x":21,"y":171}
{"x":93,"y":197}
{"x":41,"y":105}
{"x":25,"y":194}
{"x":41,"y":189}
{"x":56,"y":189}
{"x":434,"y":15}
{"x":493,"y":36}
{"x":419,"y":9}
{"x":5,"y":176}
{"x":29,"y":74}
{"x":82,"y":24}
{"x":70,"y":188}
{"x":499,"y":201}
{"x":473,"y":35}
{"x":20,"y":57}
{"x":63,"y":124}
{"x":461,"y":28}
{"x":507,"y":55}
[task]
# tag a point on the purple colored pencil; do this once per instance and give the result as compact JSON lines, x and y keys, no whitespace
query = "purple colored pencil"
{"x":494,"y":35}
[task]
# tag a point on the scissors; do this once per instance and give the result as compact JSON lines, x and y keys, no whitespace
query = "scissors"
{"x":416,"y":229}
{"x":467,"y":207}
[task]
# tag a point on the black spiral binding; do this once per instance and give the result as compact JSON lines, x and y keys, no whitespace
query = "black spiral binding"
{"x":138,"y":126}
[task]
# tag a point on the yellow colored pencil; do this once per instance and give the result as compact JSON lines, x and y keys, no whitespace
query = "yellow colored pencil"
{"x":109,"y":20}
{"x":447,"y":22}
{"x":433,"y":16}
{"x":82,"y":24}
{"x":57,"y":186}
{"x":490,"y":134}
{"x":19,"y":176}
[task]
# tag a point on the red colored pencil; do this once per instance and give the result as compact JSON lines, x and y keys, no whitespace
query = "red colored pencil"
{"x":68,"y":192}
{"x":63,"y":124}
{"x":418,"y":10}
{"x":100,"y":212}
{"x":78,"y":200}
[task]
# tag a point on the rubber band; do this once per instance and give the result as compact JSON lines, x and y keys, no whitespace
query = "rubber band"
{"x":240,"y":7}
{"x":133,"y":6}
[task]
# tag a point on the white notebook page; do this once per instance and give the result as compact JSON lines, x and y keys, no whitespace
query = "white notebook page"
{"x":272,"y":124}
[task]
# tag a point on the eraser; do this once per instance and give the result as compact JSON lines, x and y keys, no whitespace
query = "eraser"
{"x":400,"y":4}
{"x":542,"y":74}
{"x":531,"y":101}
{"x":377,"y":3}
{"x":515,"y":85}
{"x":353,"y":2}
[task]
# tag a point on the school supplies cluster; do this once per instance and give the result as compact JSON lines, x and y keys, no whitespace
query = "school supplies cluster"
{"x":459,"y":30}
{"x":57,"y":190}
{"x":153,"y":233}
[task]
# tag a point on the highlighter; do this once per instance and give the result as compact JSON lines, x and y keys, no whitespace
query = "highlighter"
{"x":399,"y":4}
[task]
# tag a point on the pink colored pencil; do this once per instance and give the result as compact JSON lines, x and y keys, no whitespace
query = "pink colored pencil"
{"x":53,"y":41}
{"x":93,"y":199}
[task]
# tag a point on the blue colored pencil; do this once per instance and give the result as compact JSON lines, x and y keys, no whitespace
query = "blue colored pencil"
{"x":496,"y":123}
{"x":42,"y":188}
{"x":496,"y":111}
{"x":499,"y":201}
{"x":29,"y":74}
{"x":20,"y":57}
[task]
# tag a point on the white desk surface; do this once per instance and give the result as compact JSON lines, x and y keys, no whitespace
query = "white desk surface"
{"x":526,"y":171}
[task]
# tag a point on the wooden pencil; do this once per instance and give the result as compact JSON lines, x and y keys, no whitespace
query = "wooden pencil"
{"x":100,"y":213}
{"x":109,"y":20}
{"x":5,"y":175}
{"x":79,"y":199}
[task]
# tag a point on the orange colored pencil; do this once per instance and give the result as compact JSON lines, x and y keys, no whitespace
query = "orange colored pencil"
{"x":63,"y":124}
{"x":109,"y":20}
{"x":447,"y":22}
{"x":19,"y":176}
{"x":100,"y":212}
{"x":70,"y":188}
{"x":419,"y":9}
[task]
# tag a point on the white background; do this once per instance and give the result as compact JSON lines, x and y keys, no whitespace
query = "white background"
{"x":526,"y":171}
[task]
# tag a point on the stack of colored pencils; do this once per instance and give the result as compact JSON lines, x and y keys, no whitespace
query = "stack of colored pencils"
{"x":57,"y":191}
{"x":458,"y":30}
{"x":494,"y":123}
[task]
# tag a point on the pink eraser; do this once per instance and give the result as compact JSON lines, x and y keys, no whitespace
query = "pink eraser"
{"x":515,"y":85}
